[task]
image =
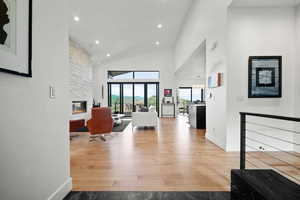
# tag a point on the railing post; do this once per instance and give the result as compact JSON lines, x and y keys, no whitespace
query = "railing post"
{"x":243,"y":142}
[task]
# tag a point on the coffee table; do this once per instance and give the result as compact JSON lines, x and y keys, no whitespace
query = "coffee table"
{"x":117,"y":119}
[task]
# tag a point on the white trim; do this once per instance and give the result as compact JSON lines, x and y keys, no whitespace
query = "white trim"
{"x":213,"y":140}
{"x":62,"y":191}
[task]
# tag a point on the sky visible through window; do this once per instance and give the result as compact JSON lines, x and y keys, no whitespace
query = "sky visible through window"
{"x":115,"y":90}
{"x":139,"y":90}
{"x":185,"y":94}
{"x":127,"y":90}
{"x":128,"y":75}
{"x":123,"y":75}
{"x":152,"y":90}
{"x":196,"y":94}
{"x":146,"y":75}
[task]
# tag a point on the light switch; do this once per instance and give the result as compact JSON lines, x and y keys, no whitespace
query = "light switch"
{"x":51,"y":92}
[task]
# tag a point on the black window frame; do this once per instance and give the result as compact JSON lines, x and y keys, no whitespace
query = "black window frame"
{"x":133,"y":88}
{"x":134,"y":77}
{"x":191,"y":88}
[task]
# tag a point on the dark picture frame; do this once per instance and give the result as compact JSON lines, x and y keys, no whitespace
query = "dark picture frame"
{"x":28,"y":72}
{"x":265,"y":77}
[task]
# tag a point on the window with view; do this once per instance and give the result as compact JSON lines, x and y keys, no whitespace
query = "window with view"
{"x":127,"y":75}
{"x":120,"y":75}
{"x":128,"y":97}
{"x":187,"y":95}
{"x":146,"y":75}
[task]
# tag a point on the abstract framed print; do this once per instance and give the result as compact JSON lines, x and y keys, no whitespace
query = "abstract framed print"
{"x":265,"y":77}
{"x":168,"y":93}
{"x":16,"y":37}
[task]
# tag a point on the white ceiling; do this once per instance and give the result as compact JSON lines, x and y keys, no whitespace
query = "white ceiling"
{"x":264,"y":3}
{"x":123,"y":26}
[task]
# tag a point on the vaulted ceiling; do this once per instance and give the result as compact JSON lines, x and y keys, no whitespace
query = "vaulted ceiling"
{"x":122,"y":26}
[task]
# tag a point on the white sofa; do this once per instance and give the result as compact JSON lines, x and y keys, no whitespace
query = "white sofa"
{"x":146,"y":119}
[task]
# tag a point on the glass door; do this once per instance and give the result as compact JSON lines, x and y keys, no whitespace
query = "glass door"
{"x":185,"y":98}
{"x":152,"y":94}
{"x":139,"y":95}
{"x":115,"y":98}
{"x":197,"y":94}
{"x":127,"y":99}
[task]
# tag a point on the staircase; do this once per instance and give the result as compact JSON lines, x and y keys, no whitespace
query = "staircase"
{"x":266,"y":184}
{"x":262,"y":185}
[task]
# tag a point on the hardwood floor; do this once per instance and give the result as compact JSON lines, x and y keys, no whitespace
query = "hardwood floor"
{"x":172,"y":158}
{"x":285,"y":163}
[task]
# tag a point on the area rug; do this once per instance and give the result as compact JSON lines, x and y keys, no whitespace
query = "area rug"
{"x":119,"y":128}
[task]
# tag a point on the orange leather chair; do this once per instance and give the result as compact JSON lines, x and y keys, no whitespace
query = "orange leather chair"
{"x":101,"y":123}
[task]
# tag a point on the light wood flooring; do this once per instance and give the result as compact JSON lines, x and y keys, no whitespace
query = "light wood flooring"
{"x":285,"y":163}
{"x":172,"y":158}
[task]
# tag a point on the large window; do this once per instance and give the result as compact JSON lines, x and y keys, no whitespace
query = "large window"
{"x":146,"y":75}
{"x":184,"y":99}
{"x":187,"y":95}
{"x":152,"y":95}
{"x":126,"y":98}
{"x":127,"y":75}
{"x":139,"y":95}
{"x":120,"y":75}
{"x":115,"y":98}
{"x":197,"y":94}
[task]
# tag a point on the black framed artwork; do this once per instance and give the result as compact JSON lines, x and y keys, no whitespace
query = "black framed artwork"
{"x":16,"y":37}
{"x":265,"y":77}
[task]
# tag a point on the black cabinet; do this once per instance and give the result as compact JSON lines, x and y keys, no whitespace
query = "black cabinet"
{"x":197,"y":116}
{"x":201,"y":117}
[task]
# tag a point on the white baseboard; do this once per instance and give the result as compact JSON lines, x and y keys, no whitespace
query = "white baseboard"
{"x":213,"y":140}
{"x":62,"y":191}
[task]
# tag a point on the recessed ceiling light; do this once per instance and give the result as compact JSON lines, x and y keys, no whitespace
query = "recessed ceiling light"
{"x":108,"y":55}
{"x":157,"y":43}
{"x":159,"y":26}
{"x":97,"y":42}
{"x":76,"y":18}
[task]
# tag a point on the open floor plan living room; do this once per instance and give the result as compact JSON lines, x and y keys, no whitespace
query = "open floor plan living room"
{"x":149,"y":100}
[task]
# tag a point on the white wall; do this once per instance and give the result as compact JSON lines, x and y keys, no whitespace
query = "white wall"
{"x":207,"y":21}
{"x":216,"y":105}
{"x":231,"y":38}
{"x":253,"y":32}
{"x":34,"y":137}
{"x":156,"y":59}
{"x":192,"y":72}
{"x":206,"y":17}
{"x":81,"y":80}
{"x":296,"y":77}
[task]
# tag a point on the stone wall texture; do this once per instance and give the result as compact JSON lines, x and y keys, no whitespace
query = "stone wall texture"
{"x":81,"y":75}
